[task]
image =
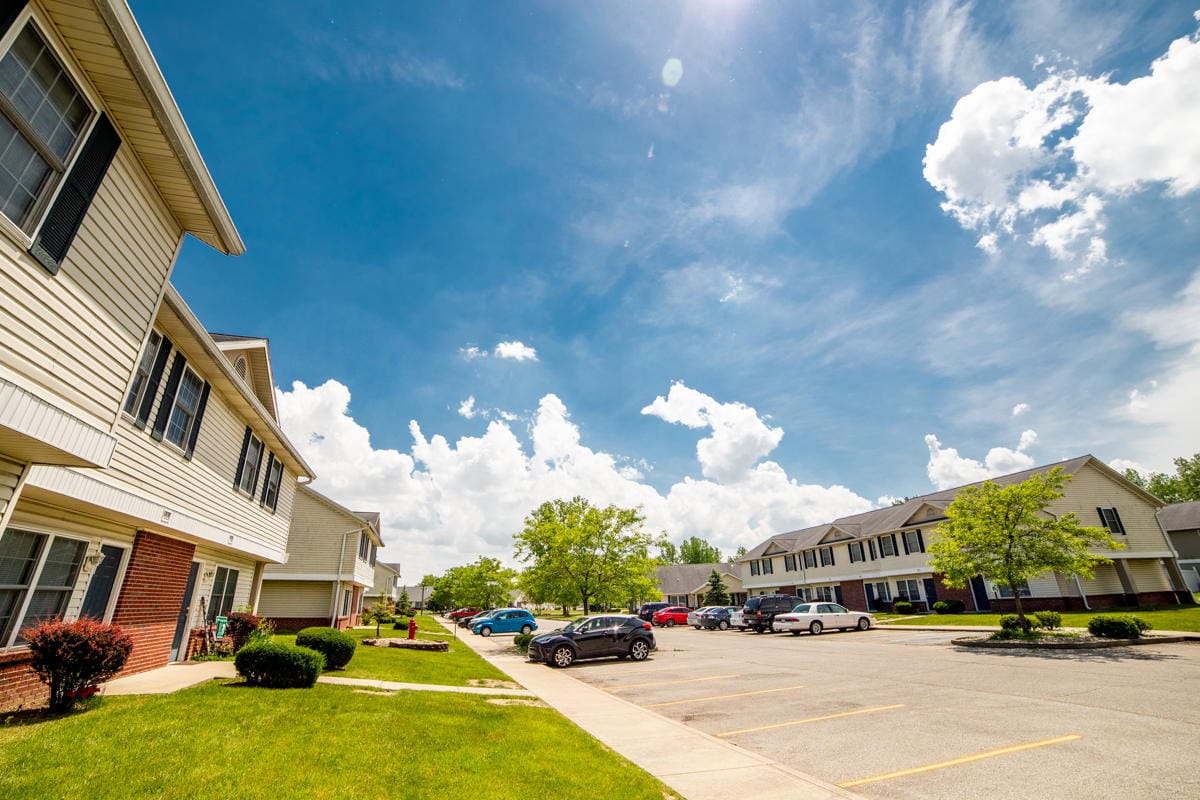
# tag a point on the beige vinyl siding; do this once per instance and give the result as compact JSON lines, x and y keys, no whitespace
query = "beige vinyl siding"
{"x":211,"y":558}
{"x":295,"y":599}
{"x":314,"y":538}
{"x":1106,"y":581}
{"x":1092,"y":488}
{"x":1044,"y":585}
{"x":1148,"y":575}
{"x":10,"y":476}
{"x":77,"y":335}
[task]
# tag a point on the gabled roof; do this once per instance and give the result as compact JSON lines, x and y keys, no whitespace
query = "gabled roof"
{"x":352,"y":516}
{"x":686,"y":578}
{"x":257,"y":352}
{"x":1180,"y":516}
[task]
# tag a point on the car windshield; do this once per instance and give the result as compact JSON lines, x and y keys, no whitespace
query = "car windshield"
{"x":803,"y":608}
{"x":573,"y":624}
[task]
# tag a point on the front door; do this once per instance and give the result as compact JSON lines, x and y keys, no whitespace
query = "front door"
{"x":837,"y":594}
{"x":870,"y":597}
{"x":979,"y":592}
{"x":181,"y":626}
{"x":930,"y":593}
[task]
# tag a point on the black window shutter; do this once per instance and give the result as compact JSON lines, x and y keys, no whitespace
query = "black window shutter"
{"x":904,"y":540}
{"x":832,"y":558}
{"x":1116,"y":518}
{"x":267,"y":483}
{"x":79,"y":187}
{"x":1100,"y":513}
{"x":237,"y":477}
{"x":160,"y":363}
{"x":895,"y":549}
{"x":9,"y":10}
{"x":168,"y":401}
{"x":920,"y":540}
{"x":871,"y":546}
{"x":191,"y":441}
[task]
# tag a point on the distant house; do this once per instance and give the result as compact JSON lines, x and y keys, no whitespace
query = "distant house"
{"x":386,"y":587}
{"x":1181,"y":521}
{"x":418,"y":596}
{"x":331,"y":558}
{"x":872,"y":559}
{"x":687,"y":584}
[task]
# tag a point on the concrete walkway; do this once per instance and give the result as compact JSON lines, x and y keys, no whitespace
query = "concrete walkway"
{"x":694,"y":764}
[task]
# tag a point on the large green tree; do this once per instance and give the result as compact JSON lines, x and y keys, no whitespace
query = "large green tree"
{"x":697,"y":551}
{"x":1181,"y":487}
{"x":668,"y":553}
{"x":486,"y":583}
{"x":577,"y":552}
{"x":1005,"y":534}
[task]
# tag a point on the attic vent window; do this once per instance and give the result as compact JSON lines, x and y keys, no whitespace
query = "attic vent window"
{"x":240,"y":367}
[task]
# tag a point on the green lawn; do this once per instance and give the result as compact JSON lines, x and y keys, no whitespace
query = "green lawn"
{"x":456,"y":668}
{"x":228,"y":741}
{"x":1163,"y":618}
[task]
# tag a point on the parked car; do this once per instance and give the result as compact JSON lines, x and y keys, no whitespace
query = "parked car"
{"x":693,"y":617}
{"x":505,"y":620}
{"x":718,"y":617}
{"x":620,"y":635}
{"x":816,"y":617}
{"x":466,"y":611}
{"x":737,"y":620}
{"x":671,"y":616}
{"x":467,"y":622}
{"x":647,"y":610}
{"x":759,"y":612}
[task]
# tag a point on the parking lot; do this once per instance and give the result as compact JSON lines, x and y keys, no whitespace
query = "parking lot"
{"x":904,"y":714}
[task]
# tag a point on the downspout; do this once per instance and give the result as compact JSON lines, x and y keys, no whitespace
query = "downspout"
{"x":1082,"y":596}
{"x":337,"y":590}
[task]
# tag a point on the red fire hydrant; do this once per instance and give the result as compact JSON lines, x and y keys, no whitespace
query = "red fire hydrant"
{"x":412,"y":627}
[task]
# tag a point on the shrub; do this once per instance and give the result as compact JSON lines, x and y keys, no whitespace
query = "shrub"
{"x":1117,"y":626}
{"x":1008,"y":634}
{"x":336,"y":646}
{"x":949,"y":606}
{"x":240,"y":627}
{"x":902,"y":607}
{"x":72,"y":657}
{"x":279,"y":666}
{"x":522,"y":640}
{"x":1048,"y":620}
{"x":1011,"y":622}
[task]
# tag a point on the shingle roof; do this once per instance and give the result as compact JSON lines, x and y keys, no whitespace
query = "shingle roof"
{"x":1180,"y":516}
{"x":686,"y":578}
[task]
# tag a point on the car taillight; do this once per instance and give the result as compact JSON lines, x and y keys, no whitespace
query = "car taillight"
{"x":647,"y":626}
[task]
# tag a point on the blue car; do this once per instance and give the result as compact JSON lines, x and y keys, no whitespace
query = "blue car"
{"x":505,"y":620}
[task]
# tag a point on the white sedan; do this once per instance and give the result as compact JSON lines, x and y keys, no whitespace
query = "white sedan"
{"x":816,"y":617}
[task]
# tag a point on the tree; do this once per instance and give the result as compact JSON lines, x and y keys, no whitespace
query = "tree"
{"x":668,"y":553}
{"x":379,"y":613}
{"x":485,"y":584}
{"x":1181,"y":487}
{"x":580,"y":553}
{"x":405,"y":601}
{"x":697,"y":551}
{"x":739,"y":553}
{"x":1005,"y":534}
{"x":718,"y":594}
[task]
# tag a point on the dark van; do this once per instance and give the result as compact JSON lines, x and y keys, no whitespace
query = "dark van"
{"x":759,"y":612}
{"x":648,"y":610}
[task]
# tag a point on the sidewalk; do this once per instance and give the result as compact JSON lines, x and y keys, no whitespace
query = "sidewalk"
{"x":712,"y":769}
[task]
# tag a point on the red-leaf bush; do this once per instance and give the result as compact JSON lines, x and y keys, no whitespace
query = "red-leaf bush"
{"x":72,"y":657}
{"x":239,"y":628}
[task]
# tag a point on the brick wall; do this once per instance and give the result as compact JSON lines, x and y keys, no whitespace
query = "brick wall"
{"x":19,"y":686}
{"x":148,"y":606}
{"x":944,"y":592}
{"x":854,"y":596}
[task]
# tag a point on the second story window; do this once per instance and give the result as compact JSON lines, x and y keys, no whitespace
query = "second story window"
{"x":270,"y":495}
{"x":810,"y":559}
{"x":141,"y":380}
{"x":364,"y":546}
{"x":856,"y":552}
{"x":1110,"y":519}
{"x":183,"y":414}
{"x":827,"y":557}
{"x":789,"y":563}
{"x":767,"y":567}
{"x":251,"y":464}
{"x":754,"y":568}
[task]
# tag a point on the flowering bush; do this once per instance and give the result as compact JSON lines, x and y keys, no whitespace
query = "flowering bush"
{"x":240,"y":627}
{"x":72,"y":657}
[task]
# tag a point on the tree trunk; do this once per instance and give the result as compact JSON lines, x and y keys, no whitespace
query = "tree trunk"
{"x":1016,"y":590}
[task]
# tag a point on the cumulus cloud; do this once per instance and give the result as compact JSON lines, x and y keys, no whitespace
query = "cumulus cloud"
{"x":444,"y":503}
{"x":1019,"y":409}
{"x":948,"y":469}
{"x":472,"y":353}
{"x":517,"y":351}
{"x":467,"y":408}
{"x":1043,"y":161}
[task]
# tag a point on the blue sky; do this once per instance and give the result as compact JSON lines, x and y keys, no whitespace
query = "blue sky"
{"x":858,"y":250}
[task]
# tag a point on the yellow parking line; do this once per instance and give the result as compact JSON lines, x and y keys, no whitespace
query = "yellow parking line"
{"x":810,"y":719}
{"x":672,"y":683}
{"x":720,"y":697}
{"x":964,"y":760}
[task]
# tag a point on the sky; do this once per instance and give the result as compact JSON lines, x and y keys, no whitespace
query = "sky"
{"x":748,"y":266}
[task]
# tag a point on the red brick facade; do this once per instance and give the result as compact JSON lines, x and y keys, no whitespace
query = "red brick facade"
{"x":854,"y":596}
{"x":944,"y":592}
{"x":19,"y":686}
{"x":151,"y":596}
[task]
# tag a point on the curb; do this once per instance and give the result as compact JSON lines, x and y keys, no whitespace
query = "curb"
{"x":1067,"y":645}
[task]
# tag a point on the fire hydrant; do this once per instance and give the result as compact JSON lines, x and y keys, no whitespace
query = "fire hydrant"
{"x":412,"y":627}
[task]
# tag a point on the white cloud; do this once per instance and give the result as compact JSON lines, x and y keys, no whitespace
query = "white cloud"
{"x":517,"y":351}
{"x":467,"y":408}
{"x":1046,"y":159}
{"x":1019,"y":409}
{"x":471,"y":353}
{"x":1122,"y":464}
{"x":948,"y":469}
{"x":446,"y":503}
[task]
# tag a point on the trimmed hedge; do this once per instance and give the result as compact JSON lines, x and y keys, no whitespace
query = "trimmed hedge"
{"x":279,"y":666}
{"x":1048,"y":620}
{"x":902,"y":607}
{"x":522,"y":640}
{"x":73,"y":657}
{"x":949,"y":606}
{"x":1117,"y":626}
{"x":336,"y":646}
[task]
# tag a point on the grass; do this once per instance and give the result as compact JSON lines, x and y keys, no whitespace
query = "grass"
{"x":226,"y":740}
{"x":1162,"y":618}
{"x":456,"y":668}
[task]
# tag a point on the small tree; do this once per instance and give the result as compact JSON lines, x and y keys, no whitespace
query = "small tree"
{"x":378,"y":613}
{"x":405,"y":601}
{"x":72,"y":657}
{"x":718,"y":594}
{"x":1005,"y":534}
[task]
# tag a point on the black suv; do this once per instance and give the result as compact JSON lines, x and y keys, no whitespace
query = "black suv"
{"x":759,"y":612}
{"x":617,"y":635}
{"x":648,"y":610}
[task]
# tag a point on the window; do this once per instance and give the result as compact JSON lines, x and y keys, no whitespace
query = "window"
{"x":1110,"y":519}
{"x":37,"y":576}
{"x":767,"y":567}
{"x":100,"y":588}
{"x":754,"y":569}
{"x":908,"y":590}
{"x":887,"y":546}
{"x":42,"y":117}
{"x":183,"y":413}
{"x":883,"y":592}
{"x":827,"y":557}
{"x":805,"y":594}
{"x":250,"y":465}
{"x":856,"y":552}
{"x":133,"y":400}
{"x":345,"y":602}
{"x":913,"y":542}
{"x":823,"y":593}
{"x":220,"y":601}
{"x":374,"y":550}
{"x":789,"y":563}
{"x":270,"y":495}
{"x":810,"y":559}
{"x":1005,"y":591}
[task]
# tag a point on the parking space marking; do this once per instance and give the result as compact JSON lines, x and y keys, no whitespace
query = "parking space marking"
{"x":811,"y":719}
{"x":719,"y":697}
{"x":671,"y":683}
{"x":964,"y":760}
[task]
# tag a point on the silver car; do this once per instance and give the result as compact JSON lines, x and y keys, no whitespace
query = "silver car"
{"x":816,"y":617}
{"x":694,"y":617}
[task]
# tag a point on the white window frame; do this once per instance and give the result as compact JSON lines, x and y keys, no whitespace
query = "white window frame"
{"x":274,"y":483}
{"x":118,"y":581}
{"x":902,"y":587}
{"x":883,"y":592}
{"x":755,"y":569}
{"x":856,"y":547}
{"x":187,"y":429}
{"x":789,"y":562}
{"x":250,"y":468}
{"x":822,"y":594}
{"x":913,"y":541}
{"x":31,"y":587}
{"x":767,"y":567}
{"x":810,"y":559}
{"x":212,"y":612}
{"x":141,"y":375}
{"x":827,"y":553}
{"x":1004,"y":592}
{"x":364,"y":547}
{"x":886,"y":544}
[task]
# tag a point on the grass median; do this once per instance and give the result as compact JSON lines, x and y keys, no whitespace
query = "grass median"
{"x":1162,"y":618}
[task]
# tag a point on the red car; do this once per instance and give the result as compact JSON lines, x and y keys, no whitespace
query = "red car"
{"x":459,"y":613}
{"x":671,"y":616}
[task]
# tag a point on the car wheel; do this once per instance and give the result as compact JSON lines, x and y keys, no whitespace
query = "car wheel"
{"x":723,"y":625}
{"x":639,"y":650}
{"x":526,"y":629}
{"x":697,"y":627}
{"x":670,"y":623}
{"x":772,"y":627}
{"x":863,"y":623}
{"x":816,"y":627}
{"x":485,"y":631}
{"x":562,"y":656}
{"x":742,"y":628}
